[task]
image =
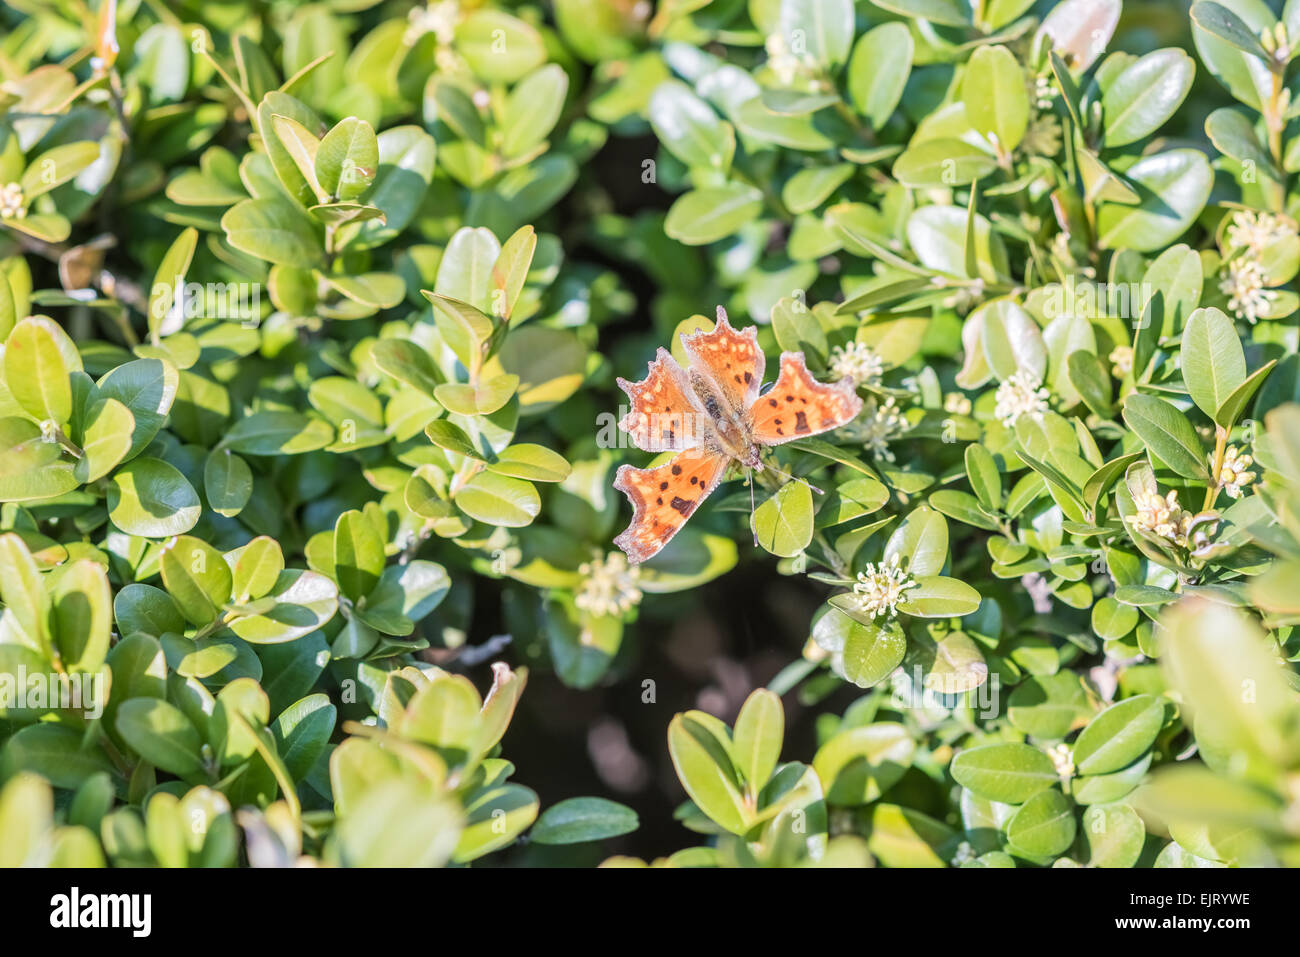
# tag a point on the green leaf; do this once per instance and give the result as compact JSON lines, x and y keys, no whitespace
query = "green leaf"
{"x":826,"y":27}
{"x":197,"y":577}
{"x":920,"y":543}
{"x":703,"y":216}
{"x":1009,"y":773}
{"x":578,"y":820}
{"x":227,"y":482}
{"x":302,"y":732}
{"x":1173,"y":187}
{"x":1227,"y":26}
{"x":161,"y":734}
{"x":275,"y":230}
{"x":1114,"y":835}
{"x":1167,"y":434}
{"x":942,"y":162}
{"x":147,"y":609}
{"x":167,"y":295}
{"x":535,"y":463}
{"x":277,"y":433}
{"x":860,"y":764}
{"x":30,"y":464}
{"x":498,"y":47}
{"x":1012,"y":341}
{"x":81,"y":615}
{"x":993,"y":89}
{"x":878,"y":71}
{"x":1145,"y":95}
{"x":1235,"y":404}
{"x":1047,"y":706}
{"x":784,"y":523}
{"x":704,"y":766}
{"x":1044,"y":826}
{"x":255,"y":568}
{"x":56,"y":166}
{"x":689,"y":128}
{"x":150,"y":498}
{"x":36,"y":370}
{"x":756,"y":745}
{"x":533,"y":108}
{"x":147,"y":387}
{"x":499,"y":500}
{"x":347,"y":159}
{"x":358,"y":554}
{"x":938,"y":597}
{"x":1214,"y":364}
{"x":106,"y":440}
{"x":482,"y":399}
{"x":407,"y":362}
{"x":982,"y":473}
{"x":1119,"y":735}
{"x":1091,"y":379}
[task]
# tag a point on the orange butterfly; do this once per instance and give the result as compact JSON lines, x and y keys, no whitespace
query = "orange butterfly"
{"x":712,"y":415}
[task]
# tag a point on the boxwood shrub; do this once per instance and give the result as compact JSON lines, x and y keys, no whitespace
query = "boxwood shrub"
{"x":313,"y":319}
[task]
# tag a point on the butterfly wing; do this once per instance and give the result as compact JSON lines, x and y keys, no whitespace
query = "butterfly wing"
{"x":799,"y":406}
{"x":664,"y":498}
{"x":664,"y":414}
{"x":731,"y":359}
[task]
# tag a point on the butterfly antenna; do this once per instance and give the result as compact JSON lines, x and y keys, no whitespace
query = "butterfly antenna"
{"x":794,"y":478}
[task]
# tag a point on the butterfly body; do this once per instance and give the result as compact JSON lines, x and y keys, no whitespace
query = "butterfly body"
{"x":712,"y":415}
{"x":725,"y":430}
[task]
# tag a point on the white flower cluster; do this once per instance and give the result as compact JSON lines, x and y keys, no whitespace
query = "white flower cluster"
{"x":1122,"y":359}
{"x":856,"y":361}
{"x":1255,"y":232}
{"x":1245,"y":285}
{"x":1162,"y":517}
{"x":1041,"y":91}
{"x":11,"y":202}
{"x":876,"y":426}
{"x":956,"y":403}
{"x":880,"y":588}
{"x":1235,"y":474}
{"x":1021,"y":394}
{"x":438,"y":18}
{"x":610,"y":585}
{"x":1062,"y":760}
{"x":785,"y":63}
{"x":1245,"y":282}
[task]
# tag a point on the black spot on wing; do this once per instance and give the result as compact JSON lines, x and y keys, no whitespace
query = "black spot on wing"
{"x":682,"y":505}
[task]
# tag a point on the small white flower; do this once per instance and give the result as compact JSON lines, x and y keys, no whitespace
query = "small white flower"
{"x":12,"y":205}
{"x":1234,"y":476}
{"x":1042,"y":92}
{"x":856,"y":361}
{"x":610,"y":586}
{"x":876,"y":426}
{"x":1162,"y":517}
{"x":880,"y":588}
{"x":1022,"y":394}
{"x":956,"y":403}
{"x":438,"y":18}
{"x":1248,"y":296}
{"x":1122,"y":357}
{"x":785,"y":64}
{"x":1062,"y":759}
{"x":964,"y":853}
{"x":1255,"y":232}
